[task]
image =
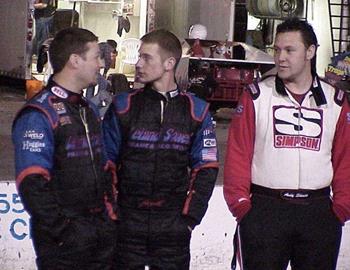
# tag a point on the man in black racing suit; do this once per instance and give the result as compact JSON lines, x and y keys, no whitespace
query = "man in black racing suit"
{"x":59,"y":162}
{"x":163,"y":144}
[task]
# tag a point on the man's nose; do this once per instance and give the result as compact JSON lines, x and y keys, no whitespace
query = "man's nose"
{"x":281,"y":56}
{"x":138,"y":63}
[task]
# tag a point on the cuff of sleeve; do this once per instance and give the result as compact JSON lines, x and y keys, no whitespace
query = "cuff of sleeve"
{"x":191,"y":222}
{"x":339,"y":213}
{"x":241,"y":210}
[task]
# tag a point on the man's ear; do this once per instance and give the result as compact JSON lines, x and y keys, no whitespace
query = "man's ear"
{"x":170,"y":63}
{"x":74,"y":60}
{"x":310,"y":52}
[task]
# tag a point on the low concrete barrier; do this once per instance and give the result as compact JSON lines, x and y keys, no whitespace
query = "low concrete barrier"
{"x":211,"y":246}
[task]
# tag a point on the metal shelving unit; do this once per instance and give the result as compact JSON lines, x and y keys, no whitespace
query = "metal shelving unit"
{"x":339,"y":11}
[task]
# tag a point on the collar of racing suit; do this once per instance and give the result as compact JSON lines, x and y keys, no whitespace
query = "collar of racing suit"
{"x":315,"y":89}
{"x":68,"y":95}
{"x":167,"y":95}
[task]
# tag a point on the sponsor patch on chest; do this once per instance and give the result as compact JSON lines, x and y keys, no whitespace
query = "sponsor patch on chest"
{"x":297,"y":127}
{"x":65,"y":120}
{"x":59,"y":108}
{"x":167,"y":139}
{"x":58,"y":91}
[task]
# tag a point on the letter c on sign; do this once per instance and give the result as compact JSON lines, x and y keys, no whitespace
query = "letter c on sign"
{"x":13,"y":229}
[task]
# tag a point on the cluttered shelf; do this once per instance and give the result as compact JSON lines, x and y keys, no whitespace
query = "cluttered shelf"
{"x":101,"y":1}
{"x":232,"y":60}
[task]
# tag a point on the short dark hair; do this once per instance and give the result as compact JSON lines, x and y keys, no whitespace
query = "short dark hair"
{"x":66,"y":42}
{"x":167,"y":41}
{"x":307,"y":32}
{"x":105,"y":54}
{"x":113,"y":44}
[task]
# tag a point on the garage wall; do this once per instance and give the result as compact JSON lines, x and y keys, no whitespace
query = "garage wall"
{"x":178,"y":15}
{"x":215,"y":14}
{"x":319,"y":19}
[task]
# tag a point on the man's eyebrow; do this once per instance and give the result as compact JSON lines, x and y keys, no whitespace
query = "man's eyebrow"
{"x":284,"y":47}
{"x":145,"y":54}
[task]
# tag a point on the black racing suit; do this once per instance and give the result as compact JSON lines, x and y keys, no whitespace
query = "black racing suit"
{"x":62,"y":183}
{"x":166,"y":152}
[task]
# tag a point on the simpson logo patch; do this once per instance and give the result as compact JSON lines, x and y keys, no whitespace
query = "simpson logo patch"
{"x":348,"y":118}
{"x":297,"y":128}
{"x":239,"y":109}
{"x":59,"y":92}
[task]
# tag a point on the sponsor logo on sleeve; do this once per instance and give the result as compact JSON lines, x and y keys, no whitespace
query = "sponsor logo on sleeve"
{"x":239,"y":109}
{"x":209,"y":142}
{"x":33,"y":141}
{"x":208,"y":131}
{"x":33,"y":135}
{"x":209,"y":154}
{"x":253,"y":89}
{"x":348,"y":117}
{"x":340,"y":95}
{"x":32,"y":146}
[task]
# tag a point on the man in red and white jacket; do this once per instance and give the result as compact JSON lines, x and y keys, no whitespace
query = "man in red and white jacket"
{"x":288,"y":149}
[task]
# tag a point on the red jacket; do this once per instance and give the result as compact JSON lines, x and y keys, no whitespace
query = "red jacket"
{"x":278,"y":143}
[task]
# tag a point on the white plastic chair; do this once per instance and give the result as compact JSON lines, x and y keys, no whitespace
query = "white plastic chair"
{"x":129,"y":48}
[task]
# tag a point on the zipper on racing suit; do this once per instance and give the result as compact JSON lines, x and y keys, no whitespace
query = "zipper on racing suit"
{"x":82,"y":112}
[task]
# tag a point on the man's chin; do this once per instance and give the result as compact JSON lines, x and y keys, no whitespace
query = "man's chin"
{"x":286,"y":78}
{"x":140,"y":79}
{"x":282,"y":75}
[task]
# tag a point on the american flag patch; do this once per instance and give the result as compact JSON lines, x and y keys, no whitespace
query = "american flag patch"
{"x":209,"y":154}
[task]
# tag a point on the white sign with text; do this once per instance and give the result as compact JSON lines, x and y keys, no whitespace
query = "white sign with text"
{"x":211,"y":245}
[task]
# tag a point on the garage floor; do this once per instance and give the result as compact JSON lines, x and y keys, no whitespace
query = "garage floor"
{"x":10,"y":101}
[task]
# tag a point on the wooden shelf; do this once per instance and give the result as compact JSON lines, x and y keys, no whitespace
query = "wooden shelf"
{"x":232,"y":60}
{"x":101,"y":2}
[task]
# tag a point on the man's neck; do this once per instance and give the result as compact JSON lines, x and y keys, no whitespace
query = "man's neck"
{"x":299,"y":86}
{"x":67,"y":82}
{"x":164,"y":85}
